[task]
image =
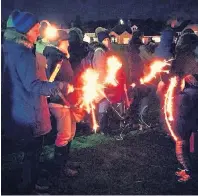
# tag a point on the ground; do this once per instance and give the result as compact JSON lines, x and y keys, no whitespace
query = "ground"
{"x":143,"y":163}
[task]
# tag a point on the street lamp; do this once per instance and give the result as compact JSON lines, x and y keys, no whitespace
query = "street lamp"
{"x":121,"y":21}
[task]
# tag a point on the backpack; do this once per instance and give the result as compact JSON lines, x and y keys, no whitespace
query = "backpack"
{"x":92,"y":48}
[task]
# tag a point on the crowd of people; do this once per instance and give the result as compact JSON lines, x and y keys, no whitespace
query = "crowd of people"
{"x":37,"y":75}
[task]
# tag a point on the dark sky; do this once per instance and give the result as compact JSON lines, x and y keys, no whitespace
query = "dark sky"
{"x":66,"y":10}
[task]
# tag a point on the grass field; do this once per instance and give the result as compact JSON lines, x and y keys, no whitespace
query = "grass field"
{"x":143,"y":163}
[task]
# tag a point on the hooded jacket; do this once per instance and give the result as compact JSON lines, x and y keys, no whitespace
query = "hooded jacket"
{"x":185,"y":60}
{"x":25,"y":110}
{"x":101,"y":53}
{"x":163,"y":50}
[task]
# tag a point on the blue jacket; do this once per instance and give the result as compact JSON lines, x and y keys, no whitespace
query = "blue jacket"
{"x":25,"y":111}
{"x":165,"y":46}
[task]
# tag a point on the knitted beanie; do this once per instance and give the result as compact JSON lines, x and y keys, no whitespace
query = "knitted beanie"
{"x":102,"y":34}
{"x":21,"y":21}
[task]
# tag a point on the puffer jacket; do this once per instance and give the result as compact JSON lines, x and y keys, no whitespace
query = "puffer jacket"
{"x":25,"y":110}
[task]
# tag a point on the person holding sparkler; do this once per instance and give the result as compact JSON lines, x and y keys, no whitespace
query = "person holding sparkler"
{"x":185,"y":121}
{"x":26,"y":117}
{"x":106,"y":62}
{"x":59,"y":69}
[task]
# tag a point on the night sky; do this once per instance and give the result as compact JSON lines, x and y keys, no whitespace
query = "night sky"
{"x":66,"y":10}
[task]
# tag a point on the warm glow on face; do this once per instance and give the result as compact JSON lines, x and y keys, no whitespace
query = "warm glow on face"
{"x":63,"y":46}
{"x":33,"y":33}
{"x":107,"y":42}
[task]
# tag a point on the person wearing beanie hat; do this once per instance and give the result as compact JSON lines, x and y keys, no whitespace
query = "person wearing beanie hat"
{"x":26,"y":117}
{"x":23,"y":21}
{"x":103,"y":50}
{"x":65,"y":116}
{"x":185,"y":67}
{"x":103,"y":36}
{"x":10,"y":23}
{"x":75,"y":35}
{"x":77,"y":47}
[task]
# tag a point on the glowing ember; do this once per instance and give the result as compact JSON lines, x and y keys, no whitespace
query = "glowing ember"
{"x":91,"y":91}
{"x":70,"y":88}
{"x":95,"y":124}
{"x":155,"y":68}
{"x":113,"y":65}
{"x":133,"y":85}
{"x":168,"y":105}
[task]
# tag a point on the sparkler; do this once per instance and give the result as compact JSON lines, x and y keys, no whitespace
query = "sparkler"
{"x":156,"y":68}
{"x":91,"y":91}
{"x":113,"y":65}
{"x":168,"y":105}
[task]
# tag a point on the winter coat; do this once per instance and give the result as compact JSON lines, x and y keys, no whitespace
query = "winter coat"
{"x":163,"y":50}
{"x":78,"y":51}
{"x":136,"y":66}
{"x":99,"y":59}
{"x":25,"y":110}
{"x":65,"y":74}
{"x":99,"y":63}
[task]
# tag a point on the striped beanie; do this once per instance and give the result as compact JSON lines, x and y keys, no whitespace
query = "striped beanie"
{"x":21,"y":21}
{"x":10,"y":21}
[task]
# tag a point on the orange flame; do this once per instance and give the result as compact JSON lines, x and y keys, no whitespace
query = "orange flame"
{"x":168,"y":105}
{"x":113,"y":65}
{"x":155,"y":68}
{"x":70,"y":88}
{"x":91,"y":91}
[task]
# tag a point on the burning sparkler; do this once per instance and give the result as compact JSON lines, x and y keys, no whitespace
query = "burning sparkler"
{"x":91,"y":91}
{"x":156,"y":68}
{"x":113,"y":65}
{"x":168,"y":105}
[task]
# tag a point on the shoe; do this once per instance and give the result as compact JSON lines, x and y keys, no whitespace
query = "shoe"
{"x":180,"y":172}
{"x":70,"y":172}
{"x":183,"y":176}
{"x":42,"y":185}
{"x":72,"y":164}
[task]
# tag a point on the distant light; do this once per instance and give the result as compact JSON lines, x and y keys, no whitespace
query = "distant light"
{"x":87,"y":38}
{"x":157,"y":39}
{"x":121,"y":21}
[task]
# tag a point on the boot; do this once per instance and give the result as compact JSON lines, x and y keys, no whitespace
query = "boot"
{"x":61,"y":158}
{"x":71,"y":164}
{"x":103,"y":122}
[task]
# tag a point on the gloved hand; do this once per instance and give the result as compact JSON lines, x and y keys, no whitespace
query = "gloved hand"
{"x":65,"y":88}
{"x":190,"y":79}
{"x":51,"y":51}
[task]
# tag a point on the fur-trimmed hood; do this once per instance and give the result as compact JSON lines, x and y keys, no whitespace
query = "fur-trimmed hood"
{"x":11,"y":34}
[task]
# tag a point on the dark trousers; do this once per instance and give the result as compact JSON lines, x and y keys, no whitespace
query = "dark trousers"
{"x":140,"y":98}
{"x":30,"y":170}
{"x":186,"y":114}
